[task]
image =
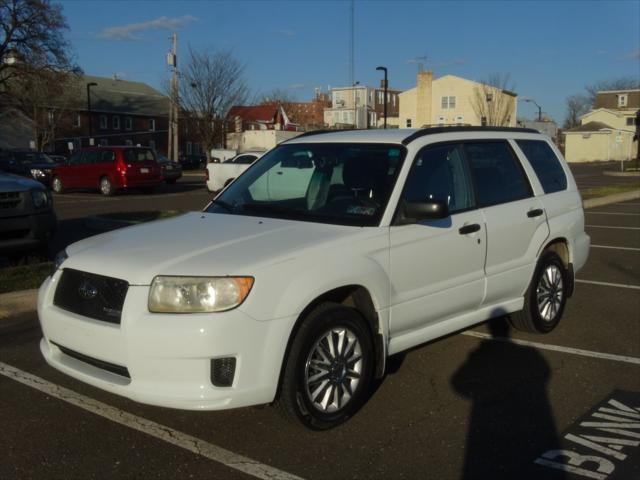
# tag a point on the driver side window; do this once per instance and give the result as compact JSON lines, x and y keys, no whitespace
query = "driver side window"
{"x":441,"y":173}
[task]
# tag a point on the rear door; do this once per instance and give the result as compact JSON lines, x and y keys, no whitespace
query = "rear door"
{"x":87,"y":177}
{"x":141,"y":165}
{"x":515,"y":220}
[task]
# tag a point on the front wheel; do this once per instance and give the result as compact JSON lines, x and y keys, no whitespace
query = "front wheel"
{"x":545,"y":298}
{"x":329,"y":369}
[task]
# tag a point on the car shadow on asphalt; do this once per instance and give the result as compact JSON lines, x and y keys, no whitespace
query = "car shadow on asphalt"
{"x":511,"y":420}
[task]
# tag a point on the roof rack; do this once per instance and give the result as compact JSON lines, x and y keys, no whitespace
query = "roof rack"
{"x":322,"y":131}
{"x":432,"y":131}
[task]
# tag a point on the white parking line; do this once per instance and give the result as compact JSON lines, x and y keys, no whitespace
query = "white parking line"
{"x":617,"y":228}
{"x":616,"y":248}
{"x":607,"y":284}
{"x":613,"y":213}
{"x":169,"y":435}
{"x":555,"y":348}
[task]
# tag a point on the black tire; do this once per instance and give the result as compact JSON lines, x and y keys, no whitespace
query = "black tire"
{"x":296,"y":401}
{"x":106,"y":187}
{"x":547,"y":289}
{"x":57,"y":186}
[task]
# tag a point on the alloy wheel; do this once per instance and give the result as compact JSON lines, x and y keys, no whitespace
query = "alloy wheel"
{"x":549,"y":293}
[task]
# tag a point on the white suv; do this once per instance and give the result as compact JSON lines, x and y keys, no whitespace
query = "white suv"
{"x":329,"y":254}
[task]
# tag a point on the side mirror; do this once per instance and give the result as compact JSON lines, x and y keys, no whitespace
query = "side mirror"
{"x":414,"y":212}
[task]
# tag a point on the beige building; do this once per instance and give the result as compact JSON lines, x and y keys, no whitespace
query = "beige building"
{"x":606,"y":132}
{"x":451,"y":100}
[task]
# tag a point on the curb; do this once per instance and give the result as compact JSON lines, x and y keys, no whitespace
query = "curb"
{"x":615,"y":198}
{"x":18,"y":311}
{"x":612,"y":173}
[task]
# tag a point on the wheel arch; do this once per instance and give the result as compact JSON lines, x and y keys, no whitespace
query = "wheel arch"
{"x":357,"y":297}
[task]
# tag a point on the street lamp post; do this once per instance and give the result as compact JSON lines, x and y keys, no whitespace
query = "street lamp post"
{"x":89,"y":85}
{"x":386,"y":86}
{"x":539,"y":109}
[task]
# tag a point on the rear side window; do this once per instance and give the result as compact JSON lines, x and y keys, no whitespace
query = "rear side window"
{"x":545,"y":163}
{"x":107,"y":156}
{"x":498,"y":175}
{"x":133,"y":155}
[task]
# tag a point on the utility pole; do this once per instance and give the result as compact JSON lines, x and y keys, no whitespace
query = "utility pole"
{"x":172,"y":61}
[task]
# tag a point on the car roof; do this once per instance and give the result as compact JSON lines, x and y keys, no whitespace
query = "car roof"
{"x":394,"y":135}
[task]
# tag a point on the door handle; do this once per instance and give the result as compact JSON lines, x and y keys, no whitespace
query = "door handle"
{"x":467,"y":229}
{"x":535,"y":213}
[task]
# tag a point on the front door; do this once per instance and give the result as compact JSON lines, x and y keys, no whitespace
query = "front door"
{"x":437,"y":267}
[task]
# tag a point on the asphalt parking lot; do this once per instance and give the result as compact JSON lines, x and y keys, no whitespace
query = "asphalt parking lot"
{"x":487,"y":403}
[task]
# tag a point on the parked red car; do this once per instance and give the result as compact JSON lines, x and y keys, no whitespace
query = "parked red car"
{"x":108,"y":169}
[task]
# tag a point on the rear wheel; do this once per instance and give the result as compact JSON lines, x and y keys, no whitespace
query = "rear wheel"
{"x":328,"y":371}
{"x":106,"y":187}
{"x":56,"y":185}
{"x":545,"y":298}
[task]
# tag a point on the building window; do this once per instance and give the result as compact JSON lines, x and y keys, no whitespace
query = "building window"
{"x":189,"y":148}
{"x":152,"y":124}
{"x":489,"y":97}
{"x":128,"y":142}
{"x":393,"y":99}
{"x":460,"y":119}
{"x":631,"y":121}
{"x":152,"y":144}
{"x":116,"y":123}
{"x":441,"y":119}
{"x":76,"y":120}
{"x":483,"y":121}
{"x":104,"y":142}
{"x":448,"y":102}
{"x":408,"y":123}
{"x":128,"y":123}
{"x":103,"y":122}
{"x":622,"y":100}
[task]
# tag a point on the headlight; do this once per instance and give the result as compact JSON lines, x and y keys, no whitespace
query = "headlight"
{"x":40,"y":198}
{"x":37,"y":173}
{"x":60,"y":258}
{"x":197,"y":294}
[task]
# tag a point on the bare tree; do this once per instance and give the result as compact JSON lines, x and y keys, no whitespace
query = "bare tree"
{"x":622,"y":83}
{"x":32,"y":38}
{"x":48,"y":99}
{"x":211,"y":83}
{"x":493,"y":101}
{"x":577,"y":105}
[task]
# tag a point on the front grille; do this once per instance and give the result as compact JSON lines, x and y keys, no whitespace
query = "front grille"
{"x":91,"y":295}
{"x":9,"y":200}
{"x":94,"y":362}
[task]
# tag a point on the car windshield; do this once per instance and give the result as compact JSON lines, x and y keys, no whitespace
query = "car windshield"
{"x":339,"y":183}
{"x":33,"y":157}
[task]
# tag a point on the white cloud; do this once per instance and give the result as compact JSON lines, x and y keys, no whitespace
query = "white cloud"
{"x":634,"y":55}
{"x":128,"y":32}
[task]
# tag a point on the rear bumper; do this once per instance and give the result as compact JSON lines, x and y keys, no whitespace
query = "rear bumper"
{"x":168,"y":357}
{"x":140,"y":182}
{"x":26,"y":231}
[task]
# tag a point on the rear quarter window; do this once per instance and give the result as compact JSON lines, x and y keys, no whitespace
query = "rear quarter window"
{"x":133,"y":155}
{"x":545,"y":163}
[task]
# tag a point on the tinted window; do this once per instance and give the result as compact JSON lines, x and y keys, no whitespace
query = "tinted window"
{"x":245,"y":159}
{"x":498,"y":176}
{"x":440,"y":173}
{"x":107,"y":156}
{"x":138,"y":155}
{"x":90,"y":157}
{"x":545,"y":163}
{"x":75,"y":158}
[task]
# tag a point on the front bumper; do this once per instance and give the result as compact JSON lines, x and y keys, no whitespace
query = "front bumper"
{"x":26,"y":231}
{"x":168,"y":356}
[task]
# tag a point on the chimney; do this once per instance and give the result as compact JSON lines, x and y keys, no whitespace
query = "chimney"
{"x":424,"y":94}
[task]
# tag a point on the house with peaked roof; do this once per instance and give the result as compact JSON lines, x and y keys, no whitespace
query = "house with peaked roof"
{"x":453,"y":100}
{"x":606,"y":132}
{"x":267,"y":116}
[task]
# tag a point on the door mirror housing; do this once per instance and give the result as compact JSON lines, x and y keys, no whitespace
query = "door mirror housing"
{"x":414,"y":212}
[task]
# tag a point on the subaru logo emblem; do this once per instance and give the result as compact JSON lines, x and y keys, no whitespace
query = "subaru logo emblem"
{"x":87,"y":291}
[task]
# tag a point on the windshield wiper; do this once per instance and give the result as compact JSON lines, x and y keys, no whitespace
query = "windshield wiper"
{"x":223,"y":204}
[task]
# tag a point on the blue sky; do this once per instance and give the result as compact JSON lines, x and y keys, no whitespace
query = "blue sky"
{"x":549,"y":49}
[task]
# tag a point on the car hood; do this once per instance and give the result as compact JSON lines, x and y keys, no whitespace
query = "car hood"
{"x":199,"y":244}
{"x":15,"y":183}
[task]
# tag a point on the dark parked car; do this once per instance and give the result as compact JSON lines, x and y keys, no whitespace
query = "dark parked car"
{"x":108,"y":169}
{"x":27,"y":163}
{"x":27,"y":220}
{"x":190,"y":162}
{"x":171,"y":171}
